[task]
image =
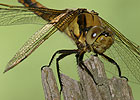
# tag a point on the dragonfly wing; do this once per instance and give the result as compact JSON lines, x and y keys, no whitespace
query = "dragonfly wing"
{"x":15,"y":15}
{"x":40,"y":36}
{"x":34,"y":42}
{"x":119,"y":36}
{"x":127,"y":60}
{"x":126,"y":54}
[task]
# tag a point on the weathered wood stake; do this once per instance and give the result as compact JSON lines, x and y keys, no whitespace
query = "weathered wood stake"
{"x":86,"y":89}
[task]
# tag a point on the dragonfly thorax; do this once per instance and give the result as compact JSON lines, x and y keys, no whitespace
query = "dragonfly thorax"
{"x":88,"y":32}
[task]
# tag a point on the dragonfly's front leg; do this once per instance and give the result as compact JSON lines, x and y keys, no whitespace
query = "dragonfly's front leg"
{"x":63,"y":53}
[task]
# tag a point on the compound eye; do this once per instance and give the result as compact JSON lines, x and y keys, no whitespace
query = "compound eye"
{"x":93,"y":33}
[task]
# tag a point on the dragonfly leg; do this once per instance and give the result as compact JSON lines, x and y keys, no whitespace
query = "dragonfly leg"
{"x":63,"y":53}
{"x":58,"y":70}
{"x":80,"y":63}
{"x":113,"y":62}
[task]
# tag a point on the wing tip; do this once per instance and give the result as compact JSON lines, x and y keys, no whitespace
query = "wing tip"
{"x":7,"y":69}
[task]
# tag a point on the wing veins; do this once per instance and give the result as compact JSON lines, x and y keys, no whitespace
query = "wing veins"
{"x":35,"y":41}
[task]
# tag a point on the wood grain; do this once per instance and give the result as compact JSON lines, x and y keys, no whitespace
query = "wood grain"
{"x":86,"y":89}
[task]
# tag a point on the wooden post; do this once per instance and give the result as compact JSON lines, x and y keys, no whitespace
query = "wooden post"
{"x":86,"y":89}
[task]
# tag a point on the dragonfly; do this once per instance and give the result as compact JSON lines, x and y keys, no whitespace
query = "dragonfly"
{"x":86,"y":28}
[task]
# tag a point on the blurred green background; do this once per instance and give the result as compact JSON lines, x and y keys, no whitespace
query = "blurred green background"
{"x":24,"y":81}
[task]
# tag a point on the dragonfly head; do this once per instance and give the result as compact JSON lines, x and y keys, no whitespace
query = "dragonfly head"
{"x":99,"y":39}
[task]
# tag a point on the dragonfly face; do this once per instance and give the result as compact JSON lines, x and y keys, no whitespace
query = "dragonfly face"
{"x":99,"y":39}
{"x":86,"y":28}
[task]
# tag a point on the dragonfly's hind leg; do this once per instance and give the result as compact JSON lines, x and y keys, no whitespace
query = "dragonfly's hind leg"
{"x":63,"y":53}
{"x":113,"y":62}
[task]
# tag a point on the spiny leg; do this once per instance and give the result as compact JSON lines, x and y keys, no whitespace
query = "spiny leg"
{"x":113,"y":62}
{"x":58,"y":69}
{"x":80,"y":63}
{"x":63,"y":53}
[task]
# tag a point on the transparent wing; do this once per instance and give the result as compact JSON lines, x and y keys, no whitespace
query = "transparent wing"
{"x":14,"y":15}
{"x":34,"y":42}
{"x":40,"y":36}
{"x":126,"y":54}
{"x":120,"y":37}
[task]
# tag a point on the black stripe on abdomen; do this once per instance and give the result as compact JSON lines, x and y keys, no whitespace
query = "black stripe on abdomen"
{"x":30,"y":3}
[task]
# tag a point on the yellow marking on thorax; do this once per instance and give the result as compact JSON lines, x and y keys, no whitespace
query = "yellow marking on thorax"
{"x":73,"y":28}
{"x":82,"y":38}
{"x":89,"y":20}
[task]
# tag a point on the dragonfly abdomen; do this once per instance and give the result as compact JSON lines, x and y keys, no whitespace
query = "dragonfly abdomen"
{"x":31,"y":3}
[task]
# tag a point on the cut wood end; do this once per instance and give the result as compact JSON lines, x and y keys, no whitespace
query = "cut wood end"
{"x":49,"y":84}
